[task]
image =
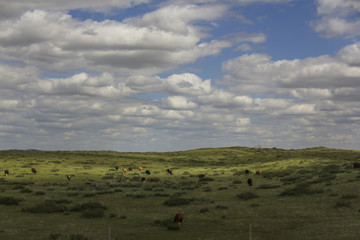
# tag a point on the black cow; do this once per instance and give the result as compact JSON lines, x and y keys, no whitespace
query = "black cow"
{"x":201,"y":175}
{"x":247,"y":171}
{"x":356,"y":165}
{"x":117,"y":167}
{"x":147,"y":172}
{"x":249,"y":181}
{"x":143,"y":179}
{"x":68,"y":177}
{"x":169,"y":171}
{"x":33,"y":170}
{"x":6,"y":172}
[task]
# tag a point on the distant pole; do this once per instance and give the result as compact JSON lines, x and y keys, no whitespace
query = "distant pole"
{"x":250,"y":231}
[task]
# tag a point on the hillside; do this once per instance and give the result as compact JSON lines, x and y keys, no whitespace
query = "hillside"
{"x":301,"y":194}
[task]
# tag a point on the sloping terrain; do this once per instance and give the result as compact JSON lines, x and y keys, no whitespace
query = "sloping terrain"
{"x":300,"y":194}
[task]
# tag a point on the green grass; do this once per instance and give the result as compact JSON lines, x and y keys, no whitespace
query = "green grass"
{"x":302,"y":194}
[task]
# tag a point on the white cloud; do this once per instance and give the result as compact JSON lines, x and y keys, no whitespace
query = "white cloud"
{"x":12,"y":9}
{"x":54,"y":40}
{"x":338,"y":18}
{"x":179,"y":102}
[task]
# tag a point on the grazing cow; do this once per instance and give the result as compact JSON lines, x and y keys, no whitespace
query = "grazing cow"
{"x":117,"y":167}
{"x":154,"y":179}
{"x":178,"y":218}
{"x":169,"y":171}
{"x":68,"y":177}
{"x":130,"y":168}
{"x":33,"y":170}
{"x":247,"y":171}
{"x":124,"y":171}
{"x":249,"y":181}
{"x":143,"y":179}
{"x":140,"y":169}
{"x":201,"y":175}
{"x":6,"y":172}
{"x":356,"y":165}
{"x":258,"y":173}
{"x":147,"y":172}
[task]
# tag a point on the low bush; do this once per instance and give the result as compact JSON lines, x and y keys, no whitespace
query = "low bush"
{"x":59,"y":236}
{"x":342,"y":203}
{"x":10,"y":201}
{"x":93,"y":213}
{"x":136,"y":195}
{"x":350,"y":196}
{"x":247,"y":195}
{"x":268,"y":186}
{"x":88,"y":205}
{"x":300,"y":189}
{"x":222,"y":207}
{"x":204,"y":210}
{"x":90,"y":209}
{"x":178,"y":201}
{"x":48,"y":206}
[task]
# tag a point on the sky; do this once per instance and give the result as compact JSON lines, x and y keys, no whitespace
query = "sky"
{"x":143,"y":75}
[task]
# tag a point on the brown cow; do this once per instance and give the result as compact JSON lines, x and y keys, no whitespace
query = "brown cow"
{"x":6,"y":172}
{"x":356,"y":165}
{"x":140,"y":169}
{"x":201,"y":175}
{"x":33,"y":170}
{"x":258,"y":173}
{"x":68,"y":177}
{"x":178,"y":218}
{"x":130,"y":168}
{"x":124,"y":171}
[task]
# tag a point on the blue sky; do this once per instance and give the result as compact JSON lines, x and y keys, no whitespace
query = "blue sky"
{"x":142,"y":75}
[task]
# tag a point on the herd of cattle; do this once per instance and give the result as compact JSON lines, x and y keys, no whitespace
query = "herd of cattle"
{"x":178,"y":218}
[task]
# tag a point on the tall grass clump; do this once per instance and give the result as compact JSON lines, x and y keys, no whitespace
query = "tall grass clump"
{"x":247,"y":196}
{"x":10,"y":201}
{"x":47,"y":206}
{"x":90,"y":209}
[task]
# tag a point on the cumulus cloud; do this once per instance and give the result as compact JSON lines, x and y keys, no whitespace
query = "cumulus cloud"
{"x":338,"y":18}
{"x":12,"y":9}
{"x":263,"y":75}
{"x":54,"y":40}
{"x":108,"y":82}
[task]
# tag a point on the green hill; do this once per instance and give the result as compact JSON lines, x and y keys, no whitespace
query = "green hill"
{"x":301,"y":194}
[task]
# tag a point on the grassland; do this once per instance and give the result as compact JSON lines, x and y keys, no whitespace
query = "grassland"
{"x":302,"y":194}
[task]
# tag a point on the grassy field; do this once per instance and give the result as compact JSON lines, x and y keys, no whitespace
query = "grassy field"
{"x":302,"y":194}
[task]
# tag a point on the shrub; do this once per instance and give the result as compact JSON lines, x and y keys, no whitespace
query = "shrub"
{"x":178,"y":201}
{"x":221,"y":207}
{"x":342,"y":204}
{"x":350,"y":196}
{"x":204,"y":210}
{"x":206,"y":179}
{"x":9,"y":201}
{"x":59,"y":236}
{"x":247,"y":195}
{"x":93,"y":213}
{"x":48,"y":206}
{"x":136,"y":195}
{"x":26,"y":190}
{"x":267,"y":186}
{"x":300,"y":189}
{"x":88,"y":205}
